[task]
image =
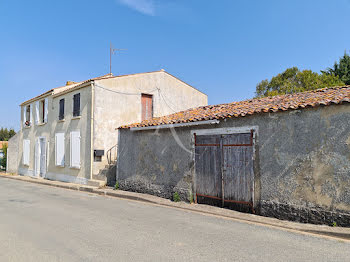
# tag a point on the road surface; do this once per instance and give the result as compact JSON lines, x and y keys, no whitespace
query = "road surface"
{"x":41,"y":223}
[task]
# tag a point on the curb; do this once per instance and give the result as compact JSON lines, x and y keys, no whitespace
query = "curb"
{"x":139,"y":198}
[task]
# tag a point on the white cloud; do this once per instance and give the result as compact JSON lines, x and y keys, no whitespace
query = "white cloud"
{"x":146,"y":7}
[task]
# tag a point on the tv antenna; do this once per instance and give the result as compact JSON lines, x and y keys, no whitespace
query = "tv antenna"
{"x":112,"y":51}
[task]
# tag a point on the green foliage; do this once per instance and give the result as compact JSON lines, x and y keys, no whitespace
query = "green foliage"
{"x":334,"y":224}
{"x":176,"y":197}
{"x":6,"y":134}
{"x":116,"y":187}
{"x":190,"y":198}
{"x":292,"y":80}
{"x":3,"y":161}
{"x":341,"y":69}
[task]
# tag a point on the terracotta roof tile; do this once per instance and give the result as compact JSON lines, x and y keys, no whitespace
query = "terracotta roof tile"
{"x":326,"y":96}
{"x":2,"y":143}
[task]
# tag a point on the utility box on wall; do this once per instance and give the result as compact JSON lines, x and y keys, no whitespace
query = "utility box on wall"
{"x":98,"y":155}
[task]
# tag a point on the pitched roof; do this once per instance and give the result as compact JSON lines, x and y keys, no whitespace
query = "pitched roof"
{"x":325,"y":96}
{"x":74,"y":85}
{"x":60,"y":89}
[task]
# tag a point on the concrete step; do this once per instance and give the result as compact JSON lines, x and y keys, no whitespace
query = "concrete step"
{"x":100,"y":177}
{"x":96,"y":183}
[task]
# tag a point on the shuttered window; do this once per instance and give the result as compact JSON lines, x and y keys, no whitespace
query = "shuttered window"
{"x":59,"y":149}
{"x":61,"y":110}
{"x":147,"y":107}
{"x":27,"y":115}
{"x":37,"y":113}
{"x":26,"y":152}
{"x":75,"y":149}
{"x":46,"y":110}
{"x":76,"y":105}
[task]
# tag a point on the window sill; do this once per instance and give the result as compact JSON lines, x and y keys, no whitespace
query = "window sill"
{"x":41,"y":124}
{"x":74,"y":167}
{"x":61,"y":120}
{"x":60,"y":166}
{"x":27,"y":127}
{"x":76,"y":117}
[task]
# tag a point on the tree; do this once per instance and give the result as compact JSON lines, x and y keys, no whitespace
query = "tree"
{"x":3,"y":161}
{"x":6,"y":134}
{"x":11,"y":133}
{"x":341,"y":69}
{"x":292,"y":80}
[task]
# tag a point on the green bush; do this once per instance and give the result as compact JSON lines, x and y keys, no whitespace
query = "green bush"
{"x":116,"y":187}
{"x":190,"y":198}
{"x":176,"y":197}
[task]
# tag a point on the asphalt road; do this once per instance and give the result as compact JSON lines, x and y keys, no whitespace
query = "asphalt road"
{"x":41,"y":223}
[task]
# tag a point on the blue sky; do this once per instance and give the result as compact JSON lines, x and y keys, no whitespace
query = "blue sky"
{"x":222,"y":47}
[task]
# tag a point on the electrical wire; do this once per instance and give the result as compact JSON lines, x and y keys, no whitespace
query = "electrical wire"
{"x":123,"y":93}
{"x":138,"y":94}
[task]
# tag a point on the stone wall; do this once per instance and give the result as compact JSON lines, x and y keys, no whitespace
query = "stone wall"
{"x":152,"y":162}
{"x":12,"y":154}
{"x":302,"y":162}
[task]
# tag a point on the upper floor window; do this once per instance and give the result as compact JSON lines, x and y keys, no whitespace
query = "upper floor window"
{"x":41,"y":111}
{"x":27,"y":115}
{"x":76,"y":105}
{"x":146,"y":107}
{"x":61,"y":110}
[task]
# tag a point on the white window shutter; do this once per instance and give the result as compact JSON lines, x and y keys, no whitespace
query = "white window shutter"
{"x":59,"y":141}
{"x":37,"y":157}
{"x":46,"y":110}
{"x":31,"y":115}
{"x":24,"y":116}
{"x":37,"y":114}
{"x":75,"y":149}
{"x":26,"y":151}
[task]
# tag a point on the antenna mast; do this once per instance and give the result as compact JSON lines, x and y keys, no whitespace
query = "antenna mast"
{"x":112,"y":51}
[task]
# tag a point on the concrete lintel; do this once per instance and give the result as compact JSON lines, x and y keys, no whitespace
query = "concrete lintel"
{"x":206,"y":122}
{"x":225,"y":130}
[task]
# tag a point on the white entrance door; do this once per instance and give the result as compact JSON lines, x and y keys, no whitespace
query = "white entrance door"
{"x":40,"y":157}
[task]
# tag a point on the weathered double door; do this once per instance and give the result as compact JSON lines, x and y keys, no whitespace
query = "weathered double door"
{"x":224,"y":170}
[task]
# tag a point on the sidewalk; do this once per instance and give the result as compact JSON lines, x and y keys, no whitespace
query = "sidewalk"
{"x":337,"y":233}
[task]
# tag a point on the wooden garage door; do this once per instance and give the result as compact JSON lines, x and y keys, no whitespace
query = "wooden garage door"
{"x":224,"y":170}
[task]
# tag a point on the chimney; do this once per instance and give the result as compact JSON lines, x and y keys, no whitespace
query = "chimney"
{"x":70,"y":83}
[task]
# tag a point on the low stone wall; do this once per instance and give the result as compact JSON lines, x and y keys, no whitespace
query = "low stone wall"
{"x":12,"y":155}
{"x":166,"y":191}
{"x":314,"y":215}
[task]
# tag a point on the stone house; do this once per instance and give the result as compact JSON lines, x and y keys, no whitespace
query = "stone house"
{"x":286,"y":156}
{"x":68,"y":133}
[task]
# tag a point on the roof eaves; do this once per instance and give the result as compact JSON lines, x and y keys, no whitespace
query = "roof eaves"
{"x":74,"y":88}
{"x":47,"y":93}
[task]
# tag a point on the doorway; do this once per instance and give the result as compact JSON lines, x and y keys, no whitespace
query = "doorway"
{"x":224,"y":170}
{"x":40,"y":157}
